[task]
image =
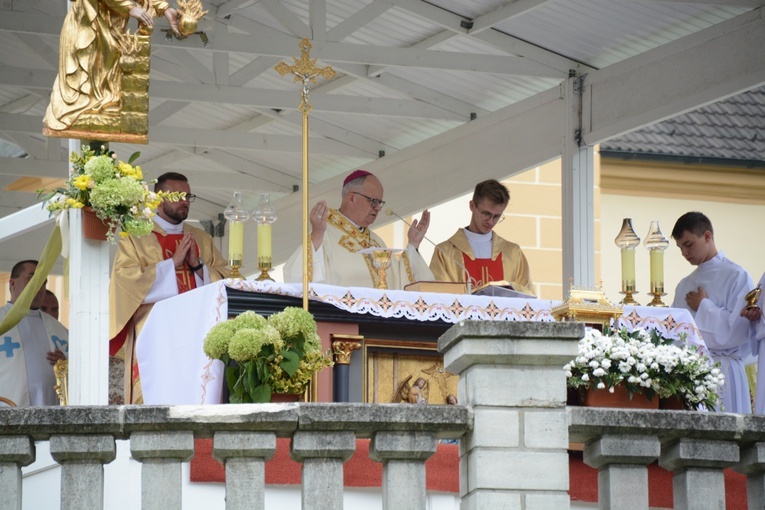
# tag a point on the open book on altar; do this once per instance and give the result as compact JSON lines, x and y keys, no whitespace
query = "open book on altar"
{"x":501,"y":288}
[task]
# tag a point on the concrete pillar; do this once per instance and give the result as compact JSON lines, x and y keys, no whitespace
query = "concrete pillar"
{"x":577,"y":191}
{"x":623,"y":474}
{"x":88,"y":313}
{"x":244,"y":454}
{"x":403,"y":455}
{"x":752,"y":464}
{"x":698,"y":465}
{"x":511,"y":375}
{"x":161,"y":455}
{"x":323,"y":455}
{"x":82,"y":460}
{"x":15,"y":453}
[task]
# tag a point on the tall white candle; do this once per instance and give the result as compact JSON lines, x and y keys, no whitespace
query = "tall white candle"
{"x":236,"y":241}
{"x":657,"y":269}
{"x":628,"y":268}
{"x":264,"y":243}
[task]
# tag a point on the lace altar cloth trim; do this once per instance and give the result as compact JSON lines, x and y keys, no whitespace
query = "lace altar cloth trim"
{"x":672,"y":323}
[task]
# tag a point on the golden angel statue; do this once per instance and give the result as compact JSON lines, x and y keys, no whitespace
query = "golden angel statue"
{"x":101,"y":91}
{"x":416,"y":393}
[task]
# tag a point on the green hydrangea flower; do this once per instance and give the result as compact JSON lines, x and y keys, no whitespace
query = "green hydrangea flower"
{"x":101,"y":168}
{"x":218,"y":338}
{"x":292,"y":321}
{"x":246,"y":344}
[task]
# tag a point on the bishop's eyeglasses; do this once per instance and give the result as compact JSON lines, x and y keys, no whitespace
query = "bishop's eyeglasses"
{"x":375,"y":202}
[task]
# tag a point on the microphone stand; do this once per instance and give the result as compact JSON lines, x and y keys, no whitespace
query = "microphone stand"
{"x":468,"y":280}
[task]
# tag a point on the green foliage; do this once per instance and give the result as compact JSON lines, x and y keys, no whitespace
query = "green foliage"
{"x":264,"y":356}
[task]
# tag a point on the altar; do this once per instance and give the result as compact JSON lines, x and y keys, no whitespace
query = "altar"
{"x":174,"y":369}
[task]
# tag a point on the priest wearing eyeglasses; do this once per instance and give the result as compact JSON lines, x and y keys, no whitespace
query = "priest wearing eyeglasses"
{"x":486,"y":256}
{"x":173,"y":259}
{"x":339,"y":235}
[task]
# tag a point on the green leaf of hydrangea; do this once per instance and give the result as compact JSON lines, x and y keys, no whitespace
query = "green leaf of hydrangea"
{"x":261,"y":393}
{"x":291,"y":362}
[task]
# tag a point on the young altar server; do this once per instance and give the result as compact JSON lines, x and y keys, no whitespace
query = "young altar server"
{"x":714,"y":293}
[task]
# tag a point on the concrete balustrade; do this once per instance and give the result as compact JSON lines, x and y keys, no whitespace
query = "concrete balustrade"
{"x":513,"y":426}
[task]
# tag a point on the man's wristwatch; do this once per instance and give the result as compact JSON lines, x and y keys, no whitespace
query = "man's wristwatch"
{"x":197,"y":268}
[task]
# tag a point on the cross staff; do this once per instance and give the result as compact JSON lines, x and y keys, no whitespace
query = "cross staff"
{"x":305,"y":71}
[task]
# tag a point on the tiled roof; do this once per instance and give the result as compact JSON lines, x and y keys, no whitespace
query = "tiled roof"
{"x":731,"y":130}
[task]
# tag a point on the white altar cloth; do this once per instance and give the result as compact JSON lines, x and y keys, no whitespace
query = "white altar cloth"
{"x":174,"y":369}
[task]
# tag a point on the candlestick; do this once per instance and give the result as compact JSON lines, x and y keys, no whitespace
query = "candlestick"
{"x":628,"y":240}
{"x":264,"y":215}
{"x":236,"y":214}
{"x":656,"y":244}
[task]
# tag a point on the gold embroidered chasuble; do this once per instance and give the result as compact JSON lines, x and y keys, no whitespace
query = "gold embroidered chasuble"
{"x":338,"y":261}
{"x":133,"y":274}
{"x":514,"y":264}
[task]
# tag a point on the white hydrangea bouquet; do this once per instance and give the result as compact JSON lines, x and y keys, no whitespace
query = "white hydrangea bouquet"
{"x":116,"y":191}
{"x":646,"y":363}
{"x":264,"y":356}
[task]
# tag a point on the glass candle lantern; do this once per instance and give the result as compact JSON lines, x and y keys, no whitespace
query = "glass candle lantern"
{"x":627,"y":241}
{"x":656,"y":244}
{"x":236,"y":214}
{"x":264,"y":215}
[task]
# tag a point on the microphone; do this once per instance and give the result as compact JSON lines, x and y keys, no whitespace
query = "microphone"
{"x":468,"y":280}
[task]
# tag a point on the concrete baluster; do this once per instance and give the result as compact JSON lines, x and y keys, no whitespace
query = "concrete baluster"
{"x":622,"y":462}
{"x":698,"y":465}
{"x":15,"y":453}
{"x":752,"y":464}
{"x":244,"y":454}
{"x":161,"y":455}
{"x":323,"y":455}
{"x":403,"y":455}
{"x":82,"y":459}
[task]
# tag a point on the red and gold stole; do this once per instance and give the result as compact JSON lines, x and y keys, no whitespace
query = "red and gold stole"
{"x":483,"y":271}
{"x":184,"y":275}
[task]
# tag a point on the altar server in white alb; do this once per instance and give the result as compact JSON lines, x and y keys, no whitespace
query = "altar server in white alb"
{"x":339,"y":235}
{"x":29,"y":350}
{"x":752,"y":312}
{"x":714,"y":293}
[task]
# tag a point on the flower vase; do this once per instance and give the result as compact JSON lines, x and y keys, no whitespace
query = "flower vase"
{"x":672,"y":404}
{"x":285,"y":397}
{"x":619,"y":398}
{"x":93,"y":227}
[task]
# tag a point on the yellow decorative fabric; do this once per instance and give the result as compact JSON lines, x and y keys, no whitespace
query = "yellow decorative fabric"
{"x":450,"y":252}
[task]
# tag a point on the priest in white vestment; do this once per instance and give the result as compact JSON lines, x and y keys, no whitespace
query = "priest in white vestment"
{"x":29,"y":350}
{"x":714,"y":293}
{"x":338,"y":235}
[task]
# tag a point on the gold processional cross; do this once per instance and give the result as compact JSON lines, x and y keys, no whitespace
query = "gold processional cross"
{"x":305,"y":71}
